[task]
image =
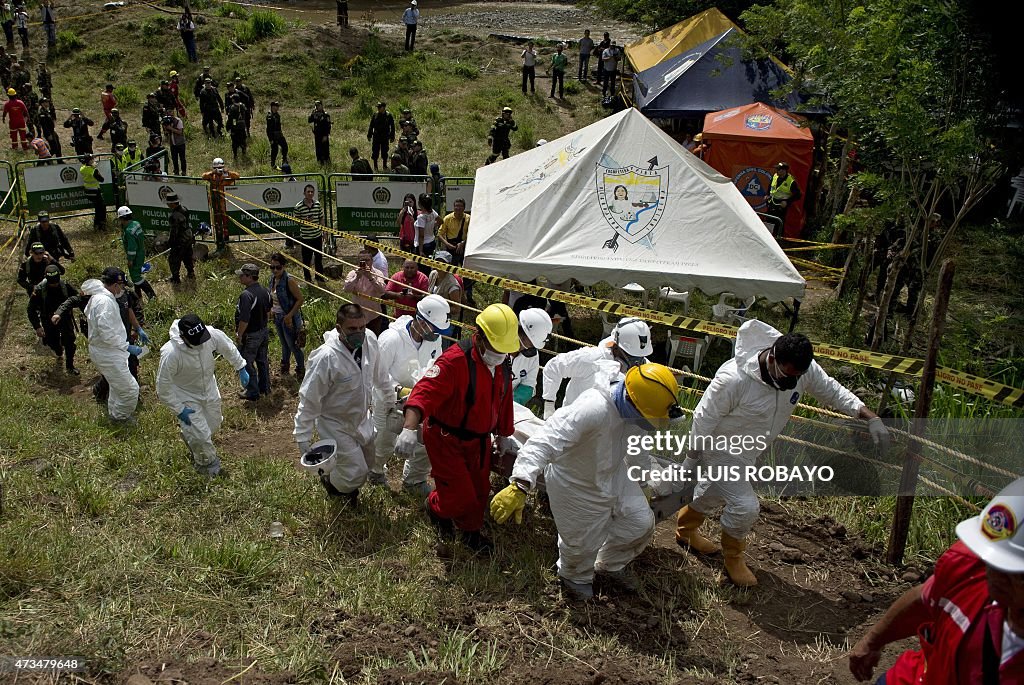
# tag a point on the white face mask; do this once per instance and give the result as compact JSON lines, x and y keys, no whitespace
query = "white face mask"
{"x":493,"y":359}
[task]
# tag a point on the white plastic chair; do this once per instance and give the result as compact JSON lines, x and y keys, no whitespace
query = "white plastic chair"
{"x":733,"y":315}
{"x":674,"y":296}
{"x":1017,"y":183}
{"x":607,"y":324}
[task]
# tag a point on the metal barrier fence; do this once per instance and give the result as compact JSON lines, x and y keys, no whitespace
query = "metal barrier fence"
{"x":9,"y":200}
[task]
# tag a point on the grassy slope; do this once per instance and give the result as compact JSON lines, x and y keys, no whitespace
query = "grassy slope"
{"x":113,"y":549}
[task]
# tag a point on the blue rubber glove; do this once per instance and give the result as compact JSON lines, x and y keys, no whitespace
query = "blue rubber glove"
{"x":183,"y":416}
{"x":147,"y":267}
{"x":144,"y":339}
{"x":134,"y":349}
{"x":243,"y":376}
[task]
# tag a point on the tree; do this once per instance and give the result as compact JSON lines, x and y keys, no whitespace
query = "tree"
{"x":910,"y":83}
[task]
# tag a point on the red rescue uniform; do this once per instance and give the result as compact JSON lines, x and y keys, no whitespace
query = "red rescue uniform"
{"x":457,"y":436}
{"x":16,"y":114}
{"x":953,"y":642}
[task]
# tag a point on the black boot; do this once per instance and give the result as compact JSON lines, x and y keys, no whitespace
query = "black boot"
{"x":477,"y":542}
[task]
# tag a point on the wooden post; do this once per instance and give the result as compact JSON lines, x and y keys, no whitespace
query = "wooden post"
{"x":908,"y":481}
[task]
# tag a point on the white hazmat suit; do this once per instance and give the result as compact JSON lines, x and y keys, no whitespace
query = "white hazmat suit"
{"x":579,"y":367}
{"x":186,"y":378}
{"x":739,"y":403}
{"x":404,"y":361}
{"x":108,"y":349}
{"x":334,"y":398}
{"x":603,"y":518}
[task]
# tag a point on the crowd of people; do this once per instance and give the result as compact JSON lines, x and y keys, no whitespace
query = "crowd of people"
{"x":608,"y":58}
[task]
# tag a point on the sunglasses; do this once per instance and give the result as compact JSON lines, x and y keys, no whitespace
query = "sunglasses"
{"x":277,"y":267}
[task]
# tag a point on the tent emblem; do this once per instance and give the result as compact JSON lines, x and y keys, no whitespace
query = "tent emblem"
{"x":758,"y":122}
{"x":632,"y":200}
{"x":753,"y":184}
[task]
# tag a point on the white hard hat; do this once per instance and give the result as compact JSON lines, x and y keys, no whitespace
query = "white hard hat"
{"x":123,"y":212}
{"x":536,"y":323}
{"x":634,"y":337}
{"x":541,"y":142}
{"x":997,"y":534}
{"x":436,"y":310}
{"x":321,"y":457}
{"x":217,"y":162}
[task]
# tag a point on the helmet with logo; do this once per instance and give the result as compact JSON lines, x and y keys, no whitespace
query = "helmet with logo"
{"x":321,"y":457}
{"x":436,"y":310}
{"x":536,"y":324}
{"x":634,"y":337}
{"x":218,"y":163}
{"x":997,"y":534}
{"x":500,"y":326}
{"x":123,"y":212}
{"x":654,"y":391}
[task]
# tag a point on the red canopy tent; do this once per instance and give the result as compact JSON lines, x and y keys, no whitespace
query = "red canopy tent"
{"x":746,"y":144}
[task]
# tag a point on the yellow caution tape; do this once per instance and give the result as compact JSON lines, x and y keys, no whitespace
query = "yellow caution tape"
{"x":906,"y":366}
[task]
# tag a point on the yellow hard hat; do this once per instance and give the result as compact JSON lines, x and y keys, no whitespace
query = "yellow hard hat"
{"x":501,"y":326}
{"x":653,"y":390}
{"x":11,"y":91}
{"x":173,"y":73}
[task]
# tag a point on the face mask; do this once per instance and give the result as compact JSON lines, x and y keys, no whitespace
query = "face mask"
{"x":355,"y":340}
{"x":626,"y":409}
{"x":627,"y":361}
{"x":528,"y":351}
{"x":493,"y":359}
{"x":779,"y":380}
{"x":427,"y":331}
{"x":53,"y":280}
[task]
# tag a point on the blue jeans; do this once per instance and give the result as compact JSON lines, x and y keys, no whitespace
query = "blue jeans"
{"x":287,"y":339}
{"x":257,"y":363}
{"x":189,"y":39}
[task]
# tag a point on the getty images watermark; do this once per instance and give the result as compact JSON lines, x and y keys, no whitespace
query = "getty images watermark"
{"x":676,"y":447}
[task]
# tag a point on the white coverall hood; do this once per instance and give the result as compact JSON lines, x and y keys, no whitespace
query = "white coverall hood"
{"x":404,"y":359}
{"x":602,"y":516}
{"x":92,"y":286}
{"x":578,"y":367}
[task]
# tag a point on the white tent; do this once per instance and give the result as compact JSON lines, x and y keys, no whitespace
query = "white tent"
{"x":620,"y":201}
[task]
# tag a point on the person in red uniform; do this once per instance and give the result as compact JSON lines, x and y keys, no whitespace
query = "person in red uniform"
{"x":969,"y":616}
{"x":18,"y":113}
{"x":108,"y":101}
{"x":464,"y":398}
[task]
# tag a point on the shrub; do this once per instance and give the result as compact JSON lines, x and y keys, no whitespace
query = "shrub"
{"x":313,"y":84}
{"x":525,"y":136}
{"x":158,"y":25}
{"x":127,"y":96}
{"x":67,"y":43}
{"x":227,"y":8}
{"x":103,"y":56}
{"x":178,"y":59}
{"x":220,"y":46}
{"x":465,"y":70}
{"x":572,"y":87}
{"x":262,"y":24}
{"x":150,"y":71}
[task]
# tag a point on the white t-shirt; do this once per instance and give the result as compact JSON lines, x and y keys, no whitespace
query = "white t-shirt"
{"x":529,"y":58}
{"x":525,"y":370}
{"x":380,"y":262}
{"x":610,"y":58}
{"x":427,"y":222}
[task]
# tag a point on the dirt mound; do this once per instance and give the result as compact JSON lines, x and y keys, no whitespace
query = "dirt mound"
{"x":201,"y":672}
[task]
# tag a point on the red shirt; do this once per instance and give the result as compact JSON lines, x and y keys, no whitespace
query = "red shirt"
{"x":441,"y":394}
{"x":952,"y":641}
{"x":16,"y":112}
{"x":409,"y":301}
{"x":108,"y":101}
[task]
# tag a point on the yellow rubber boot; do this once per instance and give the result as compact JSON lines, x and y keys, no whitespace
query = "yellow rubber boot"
{"x":687,"y":534}
{"x":735,"y":566}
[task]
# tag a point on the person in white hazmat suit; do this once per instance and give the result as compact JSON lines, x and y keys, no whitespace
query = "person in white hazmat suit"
{"x":108,"y":344}
{"x":629,"y":344}
{"x":186,"y":383}
{"x":753,"y":394}
{"x":334,"y":398}
{"x":407,"y":348}
{"x":603,"y":518}
{"x":534,"y":330}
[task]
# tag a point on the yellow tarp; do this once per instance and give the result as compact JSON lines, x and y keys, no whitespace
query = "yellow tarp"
{"x":677,"y":39}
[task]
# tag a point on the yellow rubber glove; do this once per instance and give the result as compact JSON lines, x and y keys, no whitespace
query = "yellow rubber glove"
{"x":509,"y":501}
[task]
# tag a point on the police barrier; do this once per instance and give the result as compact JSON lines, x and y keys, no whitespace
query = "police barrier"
{"x":56,"y":186}
{"x":970,"y":383}
{"x":366,"y":203}
{"x":8,"y":192}
{"x":458,"y":188}
{"x":276,"y":197}
{"x":147,"y":196}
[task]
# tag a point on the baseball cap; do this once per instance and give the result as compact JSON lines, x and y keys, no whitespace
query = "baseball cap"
{"x":248,"y":269}
{"x":506,"y":109}
{"x":38,"y":247}
{"x":171,"y":197}
{"x":43,"y":216}
{"x":193,"y":330}
{"x":782,"y":165}
{"x":443,"y":256}
{"x":112,"y":275}
{"x":52,"y":269}
{"x":76,"y":111}
{"x":382,"y":104}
